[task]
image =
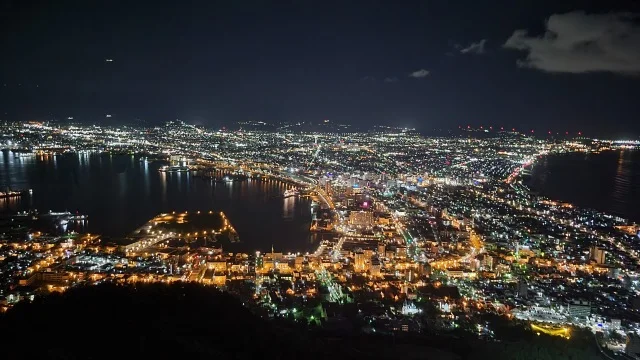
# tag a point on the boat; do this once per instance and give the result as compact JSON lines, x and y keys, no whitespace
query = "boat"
{"x":23,"y":153}
{"x":173,"y":169}
{"x":291,"y":192}
{"x":57,"y":213}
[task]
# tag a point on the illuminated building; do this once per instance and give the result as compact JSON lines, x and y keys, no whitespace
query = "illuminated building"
{"x":327,"y":188}
{"x":259,"y":261}
{"x":219,"y":279}
{"x":177,"y":160}
{"x":597,"y":254}
{"x":502,"y":269}
{"x":409,"y":308}
{"x":361,"y":218}
{"x":368,"y":253}
{"x":410,"y":275}
{"x":217,"y":265}
{"x":487,"y":262}
{"x":283,"y":266}
{"x":461,"y":274}
{"x":360,"y":261}
{"x":375,"y":267}
{"x":268,"y":264}
{"x":401,"y":251}
{"x":579,"y":309}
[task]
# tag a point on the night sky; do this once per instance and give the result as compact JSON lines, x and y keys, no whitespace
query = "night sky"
{"x":559,"y":65}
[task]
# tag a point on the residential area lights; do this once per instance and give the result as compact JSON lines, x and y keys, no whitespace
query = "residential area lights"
{"x":412,"y":227}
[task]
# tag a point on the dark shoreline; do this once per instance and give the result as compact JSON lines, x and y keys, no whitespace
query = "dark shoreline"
{"x":532,"y":182}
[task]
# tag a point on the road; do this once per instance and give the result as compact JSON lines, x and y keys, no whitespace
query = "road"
{"x":616,"y":357}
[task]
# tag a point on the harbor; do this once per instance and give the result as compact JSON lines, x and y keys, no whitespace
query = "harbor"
{"x":119,"y":193}
{"x":179,"y":230}
{"x":31,"y":222}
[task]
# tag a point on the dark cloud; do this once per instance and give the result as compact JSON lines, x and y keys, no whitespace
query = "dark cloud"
{"x":578,"y":42}
{"x":391,"y":79}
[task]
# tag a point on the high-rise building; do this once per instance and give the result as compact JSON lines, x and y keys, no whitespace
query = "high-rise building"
{"x":597,"y":254}
{"x":487,"y":262}
{"x":360,"y":263}
{"x":375,"y":267}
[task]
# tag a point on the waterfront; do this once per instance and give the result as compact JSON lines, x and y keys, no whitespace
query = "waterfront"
{"x":460,"y":249}
{"x":608,"y":181}
{"x":121,"y":192}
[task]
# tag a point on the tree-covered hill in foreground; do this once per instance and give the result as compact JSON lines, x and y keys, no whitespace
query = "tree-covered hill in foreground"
{"x":191,"y":321}
{"x":147,"y":321}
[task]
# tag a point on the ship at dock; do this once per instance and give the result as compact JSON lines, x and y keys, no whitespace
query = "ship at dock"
{"x":291,"y":193}
{"x":220,"y":176}
{"x":65,"y":215}
{"x":58,"y":222}
{"x":9,"y":193}
{"x":173,"y":169}
{"x":23,"y":152}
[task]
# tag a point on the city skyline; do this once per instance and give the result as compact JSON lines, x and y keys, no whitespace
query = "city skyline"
{"x":493,"y":237}
{"x":544,"y":66}
{"x":320,"y":179}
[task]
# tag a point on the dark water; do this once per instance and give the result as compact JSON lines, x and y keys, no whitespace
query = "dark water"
{"x":609,"y":181}
{"x":120,"y":193}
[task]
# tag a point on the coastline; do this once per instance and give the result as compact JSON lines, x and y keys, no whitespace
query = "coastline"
{"x":541,"y":189}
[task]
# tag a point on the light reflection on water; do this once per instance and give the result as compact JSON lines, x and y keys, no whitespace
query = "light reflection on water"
{"x":120,"y":192}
